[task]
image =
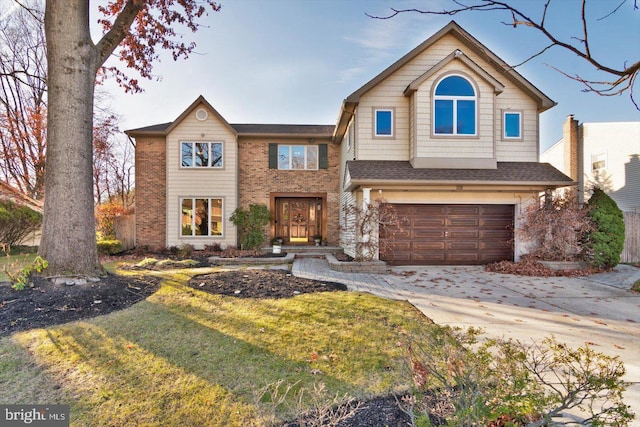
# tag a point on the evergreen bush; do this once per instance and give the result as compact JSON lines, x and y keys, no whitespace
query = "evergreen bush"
{"x":109,"y":246}
{"x":250,"y":224}
{"x":16,"y":222}
{"x":606,"y":242}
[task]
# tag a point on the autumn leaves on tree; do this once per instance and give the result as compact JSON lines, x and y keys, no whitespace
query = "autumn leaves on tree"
{"x":133,"y":28}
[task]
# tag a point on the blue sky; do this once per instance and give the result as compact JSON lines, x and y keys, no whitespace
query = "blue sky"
{"x":294,"y":61}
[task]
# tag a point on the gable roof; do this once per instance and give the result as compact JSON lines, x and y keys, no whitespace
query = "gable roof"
{"x":239,"y":130}
{"x":399,"y":172}
{"x":459,"y":55}
{"x":452,"y":28}
{"x":165,"y":128}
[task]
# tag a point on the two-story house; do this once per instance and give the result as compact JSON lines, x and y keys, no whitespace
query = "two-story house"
{"x":448,"y":135}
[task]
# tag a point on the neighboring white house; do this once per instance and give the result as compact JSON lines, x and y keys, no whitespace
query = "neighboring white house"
{"x":606,"y":155}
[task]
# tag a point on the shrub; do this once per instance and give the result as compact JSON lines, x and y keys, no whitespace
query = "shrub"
{"x":250,"y":224}
{"x":106,"y":215}
{"x":606,"y":242}
{"x":21,"y":279}
{"x":556,"y":228}
{"x":16,"y":222}
{"x":109,"y":246}
{"x":509,"y":383}
{"x":372,"y":222}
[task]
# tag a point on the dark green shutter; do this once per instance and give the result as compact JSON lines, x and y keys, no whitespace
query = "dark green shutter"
{"x":273,"y":156}
{"x":323,"y":160}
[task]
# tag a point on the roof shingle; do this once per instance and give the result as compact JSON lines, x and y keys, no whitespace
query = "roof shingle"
{"x":506,"y":173}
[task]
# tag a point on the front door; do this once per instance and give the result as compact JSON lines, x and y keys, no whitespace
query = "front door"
{"x":298,"y":219}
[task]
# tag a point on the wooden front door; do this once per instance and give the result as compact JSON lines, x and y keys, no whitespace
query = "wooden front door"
{"x":298,"y":220}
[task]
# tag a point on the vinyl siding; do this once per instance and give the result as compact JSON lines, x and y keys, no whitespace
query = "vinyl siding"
{"x":620,"y":143}
{"x":480,"y":146}
{"x":201,"y":182}
{"x":412,"y":133}
{"x":517,"y":151}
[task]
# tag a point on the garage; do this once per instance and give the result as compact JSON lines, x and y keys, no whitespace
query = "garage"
{"x":450,"y":235}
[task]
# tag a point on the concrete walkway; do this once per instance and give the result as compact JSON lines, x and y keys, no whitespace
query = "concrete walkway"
{"x":598,"y":310}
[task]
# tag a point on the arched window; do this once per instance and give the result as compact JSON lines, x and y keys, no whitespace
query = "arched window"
{"x":454,"y":107}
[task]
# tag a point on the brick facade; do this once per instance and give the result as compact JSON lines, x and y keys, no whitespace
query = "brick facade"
{"x":570,"y":134}
{"x":258,"y":182}
{"x":151,"y":199}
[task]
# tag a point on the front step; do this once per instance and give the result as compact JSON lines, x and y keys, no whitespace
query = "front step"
{"x":308,"y":251}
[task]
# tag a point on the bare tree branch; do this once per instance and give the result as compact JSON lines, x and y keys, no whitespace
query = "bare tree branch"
{"x":625,"y":76}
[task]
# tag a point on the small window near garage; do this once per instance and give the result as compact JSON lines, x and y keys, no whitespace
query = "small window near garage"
{"x":383,"y":122}
{"x":512,"y":125}
{"x":598,"y":161}
{"x":201,"y":154}
{"x":201,"y":217}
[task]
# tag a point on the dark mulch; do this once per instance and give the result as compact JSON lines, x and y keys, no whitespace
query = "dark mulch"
{"x":261,"y":284}
{"x":380,"y":411}
{"x":47,"y":304}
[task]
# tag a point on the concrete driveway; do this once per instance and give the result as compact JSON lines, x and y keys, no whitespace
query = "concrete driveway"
{"x":598,"y":310}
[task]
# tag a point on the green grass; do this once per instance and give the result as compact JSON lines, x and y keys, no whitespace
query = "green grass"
{"x":14,"y":263}
{"x":185,"y":357}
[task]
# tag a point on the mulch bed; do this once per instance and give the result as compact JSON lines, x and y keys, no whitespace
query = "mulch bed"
{"x":260,"y":284}
{"x":45,"y":304}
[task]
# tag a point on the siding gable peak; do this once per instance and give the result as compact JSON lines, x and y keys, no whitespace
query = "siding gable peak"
{"x":201,"y":101}
{"x":166,"y":128}
{"x":460,"y":56}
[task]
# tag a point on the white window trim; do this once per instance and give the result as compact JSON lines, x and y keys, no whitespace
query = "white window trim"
{"x":375,"y":123}
{"x":600,"y":157}
{"x":193,"y":154}
{"x":504,"y":125}
{"x":305,"y":157}
{"x":193,"y":225}
{"x":455,"y":100}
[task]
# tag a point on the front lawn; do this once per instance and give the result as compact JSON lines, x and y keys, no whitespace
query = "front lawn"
{"x":184,"y":357}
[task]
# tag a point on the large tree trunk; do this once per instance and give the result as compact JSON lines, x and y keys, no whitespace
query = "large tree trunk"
{"x":68,"y":236}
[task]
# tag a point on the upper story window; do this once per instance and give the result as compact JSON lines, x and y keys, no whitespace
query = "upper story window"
{"x":298,"y":157}
{"x":201,"y":154}
{"x":512,"y":125}
{"x":454,"y":107}
{"x":383,"y":122}
{"x":598,"y":161}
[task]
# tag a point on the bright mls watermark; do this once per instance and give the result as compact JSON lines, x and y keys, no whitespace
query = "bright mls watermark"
{"x":34,"y":415}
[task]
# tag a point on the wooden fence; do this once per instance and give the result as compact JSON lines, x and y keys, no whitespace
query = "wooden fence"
{"x":126,"y":231}
{"x":631,"y":251}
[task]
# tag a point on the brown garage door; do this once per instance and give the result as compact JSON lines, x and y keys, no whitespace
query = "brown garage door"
{"x":451,"y":235}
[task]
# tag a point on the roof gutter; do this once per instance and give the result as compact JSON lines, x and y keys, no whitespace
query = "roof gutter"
{"x":346,"y":113}
{"x":404,"y":184}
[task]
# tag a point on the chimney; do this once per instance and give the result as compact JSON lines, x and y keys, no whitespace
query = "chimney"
{"x":570,"y":147}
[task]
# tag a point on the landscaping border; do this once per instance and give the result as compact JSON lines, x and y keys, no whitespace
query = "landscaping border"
{"x":287,"y":259}
{"x":375,"y":266}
